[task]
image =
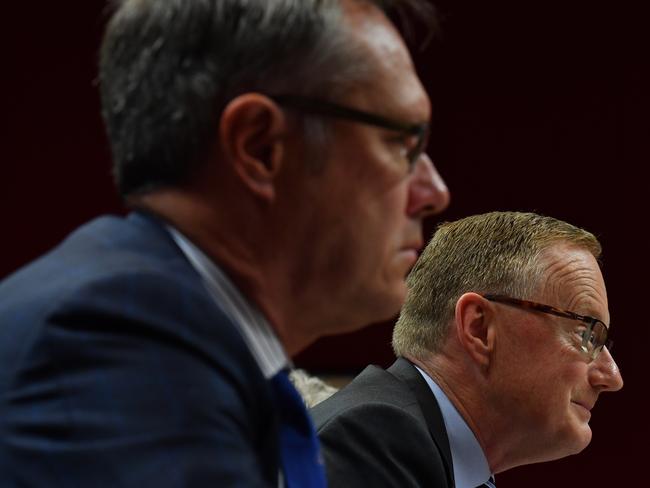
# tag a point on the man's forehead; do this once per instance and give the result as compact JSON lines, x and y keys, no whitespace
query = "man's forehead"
{"x":376,"y":36}
{"x":572,"y":278}
{"x":392,"y":80}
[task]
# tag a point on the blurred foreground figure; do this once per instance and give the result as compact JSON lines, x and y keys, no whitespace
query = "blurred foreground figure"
{"x":272,"y":152}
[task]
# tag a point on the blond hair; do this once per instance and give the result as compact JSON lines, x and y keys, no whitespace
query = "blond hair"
{"x":497,"y":252}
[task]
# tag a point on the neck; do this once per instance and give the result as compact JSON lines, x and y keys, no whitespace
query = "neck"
{"x":249,"y":252}
{"x":479,"y":399}
{"x":465,"y":387}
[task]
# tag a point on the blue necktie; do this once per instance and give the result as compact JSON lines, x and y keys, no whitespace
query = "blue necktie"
{"x":302,"y":463}
{"x":490,"y":483}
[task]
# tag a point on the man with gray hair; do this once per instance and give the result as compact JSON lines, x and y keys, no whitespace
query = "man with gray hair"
{"x":272,"y":152}
{"x":503,"y":348}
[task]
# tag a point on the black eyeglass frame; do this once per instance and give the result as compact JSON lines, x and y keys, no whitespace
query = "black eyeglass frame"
{"x":590,"y":322}
{"x":329,"y":109}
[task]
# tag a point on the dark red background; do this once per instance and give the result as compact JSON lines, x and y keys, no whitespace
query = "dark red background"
{"x":540,"y":106}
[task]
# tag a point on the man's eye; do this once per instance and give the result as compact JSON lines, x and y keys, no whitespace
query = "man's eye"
{"x":404,"y":144}
{"x":580,"y":332}
{"x":398,"y":146}
{"x":591,"y":338}
{"x":585,"y":337}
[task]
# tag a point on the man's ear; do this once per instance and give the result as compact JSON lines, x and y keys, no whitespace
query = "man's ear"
{"x":475,"y":327}
{"x":250,"y":136}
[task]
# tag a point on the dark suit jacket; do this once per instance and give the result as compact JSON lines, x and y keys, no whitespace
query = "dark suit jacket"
{"x":117,"y":369}
{"x":384,"y":429}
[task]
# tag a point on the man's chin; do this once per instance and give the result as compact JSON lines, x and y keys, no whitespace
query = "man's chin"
{"x":381,"y":306}
{"x":387,"y":307}
{"x":579,"y":439}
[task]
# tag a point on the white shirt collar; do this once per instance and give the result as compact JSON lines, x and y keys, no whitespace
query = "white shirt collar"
{"x":471,"y":468}
{"x":255,"y":329}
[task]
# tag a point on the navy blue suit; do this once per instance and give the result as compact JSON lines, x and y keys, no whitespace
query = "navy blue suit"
{"x":118,"y":369}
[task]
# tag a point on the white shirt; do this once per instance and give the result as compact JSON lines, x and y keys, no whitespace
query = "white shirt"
{"x":471,"y":468}
{"x":255,"y":329}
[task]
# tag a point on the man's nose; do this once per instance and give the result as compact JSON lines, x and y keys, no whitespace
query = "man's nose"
{"x":428,"y":193}
{"x":604,"y":373}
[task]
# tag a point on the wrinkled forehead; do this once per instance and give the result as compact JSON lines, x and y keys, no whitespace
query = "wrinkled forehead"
{"x":572,"y":279}
{"x":391,"y":82}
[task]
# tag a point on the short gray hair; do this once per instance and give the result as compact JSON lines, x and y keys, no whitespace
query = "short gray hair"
{"x":168,"y":68}
{"x":497,"y":253}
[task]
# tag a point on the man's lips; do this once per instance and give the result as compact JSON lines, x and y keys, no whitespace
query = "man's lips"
{"x":414,"y":246}
{"x":586,"y":405}
{"x":412,"y":251}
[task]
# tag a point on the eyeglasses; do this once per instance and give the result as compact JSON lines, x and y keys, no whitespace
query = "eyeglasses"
{"x":329,"y":109}
{"x":593,"y":336}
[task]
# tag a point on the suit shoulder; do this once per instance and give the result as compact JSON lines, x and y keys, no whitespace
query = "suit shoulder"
{"x":372,"y":388}
{"x":135,"y":287}
{"x":380,"y":444}
{"x":373,"y":433}
{"x":111,"y":262}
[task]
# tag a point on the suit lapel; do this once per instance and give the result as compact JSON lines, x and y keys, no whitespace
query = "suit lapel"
{"x":406,"y":372}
